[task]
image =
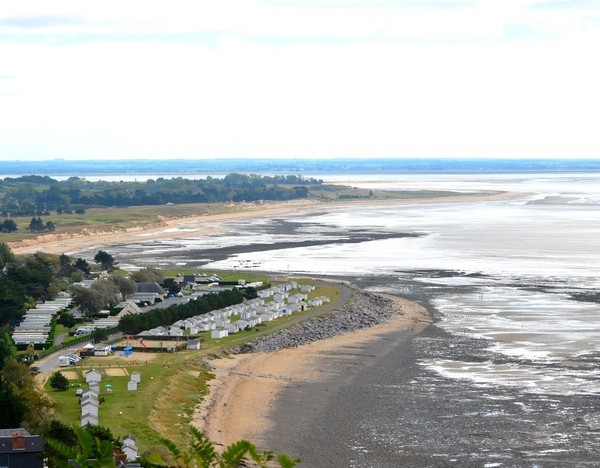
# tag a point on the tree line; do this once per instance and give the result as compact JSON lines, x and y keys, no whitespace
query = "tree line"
{"x":40,"y":195}
{"x":133,"y":324}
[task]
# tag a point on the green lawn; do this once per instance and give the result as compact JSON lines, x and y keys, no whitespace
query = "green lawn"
{"x":126,"y":411}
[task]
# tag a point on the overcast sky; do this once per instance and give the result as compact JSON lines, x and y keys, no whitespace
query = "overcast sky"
{"x":306,"y":78}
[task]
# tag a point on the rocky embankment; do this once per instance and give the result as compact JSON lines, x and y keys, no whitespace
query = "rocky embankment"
{"x":363,"y":310}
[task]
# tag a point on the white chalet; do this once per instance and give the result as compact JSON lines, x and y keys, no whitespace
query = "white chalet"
{"x":218,"y":333}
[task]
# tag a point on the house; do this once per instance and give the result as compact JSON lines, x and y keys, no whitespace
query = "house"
{"x":241,"y":324}
{"x":18,"y":448}
{"x":89,"y":396}
{"x":222,"y":322}
{"x":253,"y":321}
{"x":93,"y":376}
{"x":102,"y":350}
{"x":231,"y":328}
{"x":175,"y":331}
{"x":136,"y":377}
{"x":127,"y":308}
{"x":265,"y":293}
{"x":88,"y":420}
{"x":280,"y":296}
{"x":247,"y":314}
{"x":218,"y":333}
{"x":132,"y":385}
{"x":193,"y":344}
{"x":294,"y":299}
{"x":266,"y":317}
{"x":206,"y":326}
{"x":150,"y":288}
{"x":90,"y":408}
{"x":129,"y":447}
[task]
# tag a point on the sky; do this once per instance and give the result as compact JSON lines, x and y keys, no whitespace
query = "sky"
{"x":299,"y":79}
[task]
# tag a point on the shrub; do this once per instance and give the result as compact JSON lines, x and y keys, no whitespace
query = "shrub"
{"x":59,"y":382}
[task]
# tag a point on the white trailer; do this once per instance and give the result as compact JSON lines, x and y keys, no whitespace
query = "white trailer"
{"x":64,"y":361}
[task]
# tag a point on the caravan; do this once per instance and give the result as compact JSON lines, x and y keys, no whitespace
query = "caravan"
{"x":64,"y":361}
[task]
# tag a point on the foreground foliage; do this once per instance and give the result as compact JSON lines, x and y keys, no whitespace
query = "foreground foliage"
{"x":93,"y":447}
{"x":203,"y":454}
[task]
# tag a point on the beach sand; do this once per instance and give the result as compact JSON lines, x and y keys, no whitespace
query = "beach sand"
{"x":246,"y":389}
{"x":210,"y":224}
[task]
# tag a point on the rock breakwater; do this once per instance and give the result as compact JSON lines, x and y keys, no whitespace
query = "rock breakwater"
{"x":363,"y":310}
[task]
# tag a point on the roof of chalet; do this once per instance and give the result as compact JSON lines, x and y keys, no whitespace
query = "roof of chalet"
{"x":149,"y":288}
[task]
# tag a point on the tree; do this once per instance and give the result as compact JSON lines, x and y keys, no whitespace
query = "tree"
{"x":37,"y":225}
{"x":38,"y":407}
{"x":6,"y":350}
{"x":88,"y":451}
{"x":6,"y":255}
{"x":98,"y":335}
{"x":106,"y":260}
{"x":12,"y":406}
{"x":250,"y":293}
{"x":203,"y":454}
{"x":148,"y":275}
{"x":8,"y":226}
{"x":59,"y":382}
{"x":108,"y":291}
{"x":12,"y":300}
{"x":126,"y":286}
{"x":82,"y":265}
{"x":35,"y":274}
{"x":88,"y":300}
{"x":66,"y":319}
{"x":65,"y":267}
{"x":58,"y":431}
{"x":172,"y":285}
{"x":50,"y":226}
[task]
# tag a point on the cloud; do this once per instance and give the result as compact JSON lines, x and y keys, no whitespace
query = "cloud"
{"x":151,"y":79}
{"x":42,"y":21}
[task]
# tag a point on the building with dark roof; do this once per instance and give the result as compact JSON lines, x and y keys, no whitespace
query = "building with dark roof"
{"x":20,"y":449}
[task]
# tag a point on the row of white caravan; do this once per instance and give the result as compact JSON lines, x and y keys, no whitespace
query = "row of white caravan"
{"x":278,"y":301}
{"x":36,"y":324}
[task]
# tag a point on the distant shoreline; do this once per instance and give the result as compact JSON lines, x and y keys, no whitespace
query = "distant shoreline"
{"x":72,"y":243}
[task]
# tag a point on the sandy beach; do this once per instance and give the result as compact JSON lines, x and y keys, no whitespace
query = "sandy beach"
{"x":167,"y":228}
{"x":247,"y":386}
